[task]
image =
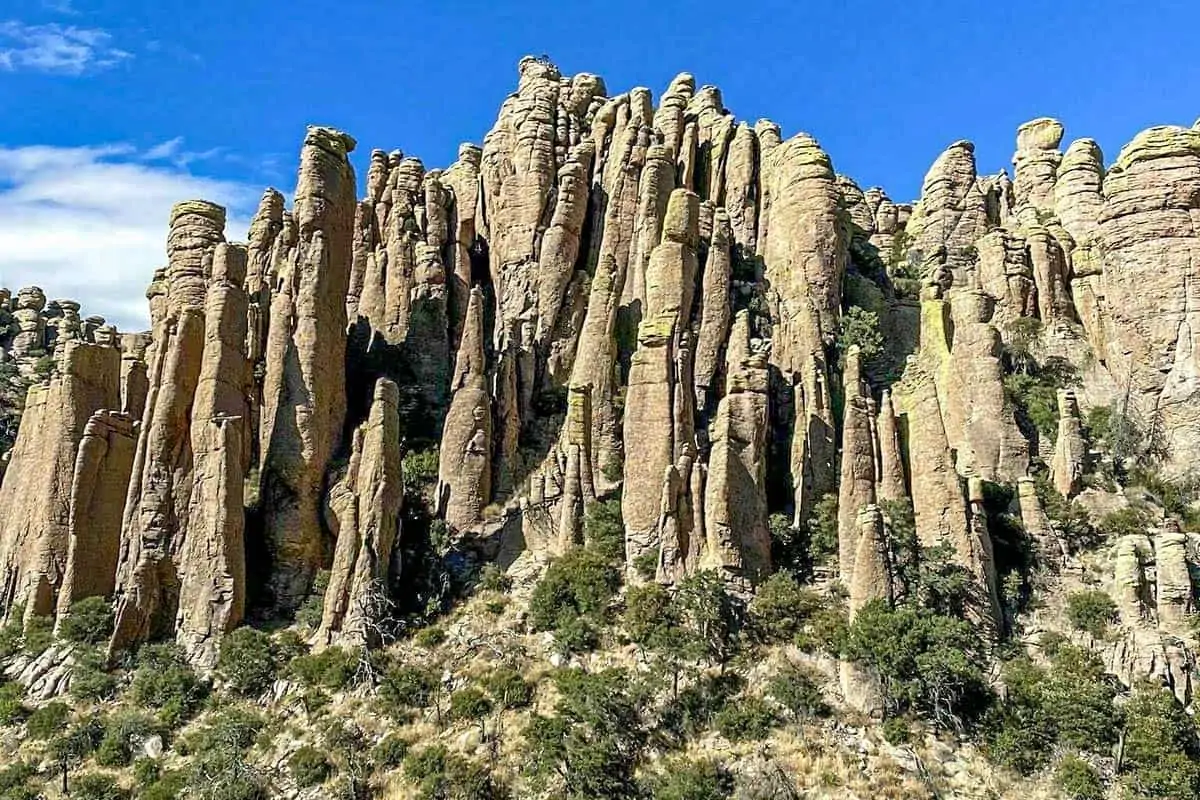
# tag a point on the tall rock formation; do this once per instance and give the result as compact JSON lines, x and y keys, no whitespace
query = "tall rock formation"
{"x":304,"y":391}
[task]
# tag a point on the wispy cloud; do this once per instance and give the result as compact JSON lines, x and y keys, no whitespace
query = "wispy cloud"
{"x":90,"y":223}
{"x":174,"y":152}
{"x":60,"y":6}
{"x":55,"y":48}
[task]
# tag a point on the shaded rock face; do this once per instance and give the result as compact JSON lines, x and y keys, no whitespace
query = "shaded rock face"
{"x":608,"y":296}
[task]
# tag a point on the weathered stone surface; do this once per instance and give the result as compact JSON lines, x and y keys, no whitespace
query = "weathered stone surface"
{"x":212,"y":557}
{"x":135,"y":384}
{"x":1036,"y":165}
{"x":1070,"y":448}
{"x":856,"y":488}
{"x":715,"y":302}
{"x":304,"y":393}
{"x":154,"y":524}
{"x":102,"y":469}
{"x":735,"y":503}
{"x":35,"y":498}
{"x":804,"y":251}
{"x":465,"y":466}
{"x":952,"y":212}
{"x":1151,"y":245}
{"x":365,"y":507}
{"x":1078,"y":189}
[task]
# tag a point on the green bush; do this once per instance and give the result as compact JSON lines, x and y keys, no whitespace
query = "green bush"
{"x":309,"y":767}
{"x":711,"y":613}
{"x":124,"y":732}
{"x":507,"y":688}
{"x":604,"y":530}
{"x":164,"y":680}
{"x":469,"y":703}
{"x":746,"y":719}
{"x":94,"y":786}
{"x":312,"y":609}
{"x":233,"y":729}
{"x":12,"y":704}
{"x":860,"y":327}
{"x":47,"y":721}
{"x":390,"y":751}
{"x":897,"y":730}
{"x":780,"y":607}
{"x":14,"y":781}
{"x":333,"y":668}
{"x":695,"y":708}
{"x":594,"y":738}
{"x":927,"y":662}
{"x":691,"y":780}
{"x":38,"y":636}
{"x":90,"y":680}
{"x":77,"y":743}
{"x":493,"y":579}
{"x":572,"y":595}
{"x":90,"y":621}
{"x":405,"y":688}
{"x":168,"y":785}
{"x":822,"y":530}
{"x":429,"y":637}
{"x":247,"y":663}
{"x":1130,"y":521}
{"x":442,"y":775}
{"x":1034,"y":394}
{"x":1078,"y":779}
{"x":797,"y":688}
{"x":1162,"y":748}
{"x":1091,"y":611}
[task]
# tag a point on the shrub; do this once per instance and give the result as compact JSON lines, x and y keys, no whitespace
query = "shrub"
{"x":12,"y":704}
{"x":860,"y":327}
{"x":1162,"y":749}
{"x":309,"y":767}
{"x":1034,"y":394}
{"x":89,"y":678}
{"x":747,"y":719}
{"x":594,"y":737}
{"x":124,"y":733}
{"x":897,"y":730}
{"x":1078,"y":779}
{"x":469,"y":703}
{"x":90,"y":621}
{"x":391,"y":750}
{"x":493,"y":579}
{"x":406,"y":688}
{"x":77,"y":743}
{"x":14,"y":777}
{"x":313,"y":608}
{"x":232,"y":730}
{"x":38,"y":636}
{"x":691,"y":780}
{"x":247,"y":662}
{"x":1091,"y":611}
{"x":822,"y":530}
{"x":780,"y":607}
{"x":167,"y":785}
{"x":927,"y":662}
{"x":94,"y":786}
{"x":165,"y":681}
{"x":576,"y":589}
{"x":694,"y":710}
{"x":429,"y":637}
{"x":442,"y":775}
{"x":47,"y":721}
{"x":604,"y":530}
{"x":710,"y":612}
{"x":508,"y":689}
{"x":332,"y":668}
{"x":797,"y":688}
{"x":1124,"y":522}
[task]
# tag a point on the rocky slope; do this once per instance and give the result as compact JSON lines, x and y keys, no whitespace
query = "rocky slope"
{"x":617,"y":299}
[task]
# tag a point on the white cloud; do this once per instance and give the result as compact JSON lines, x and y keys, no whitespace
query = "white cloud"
{"x":63,"y":49}
{"x":90,"y":223}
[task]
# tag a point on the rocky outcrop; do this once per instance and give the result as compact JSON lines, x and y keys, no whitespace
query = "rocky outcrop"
{"x":1151,"y":249}
{"x":464,"y":465}
{"x":365,"y":505}
{"x":102,"y":469}
{"x":856,"y":488}
{"x":154,"y":526}
{"x":735,"y":502}
{"x":1036,"y":165}
{"x":35,"y":497}
{"x":304,"y":392}
{"x":1070,"y":448}
{"x":951,"y":214}
{"x":211,"y":559}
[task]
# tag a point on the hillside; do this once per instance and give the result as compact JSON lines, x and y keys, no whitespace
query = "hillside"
{"x":636,"y":454}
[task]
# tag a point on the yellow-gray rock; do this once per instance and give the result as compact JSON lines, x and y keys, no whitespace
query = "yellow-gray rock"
{"x":1070,"y":448}
{"x":462,"y":180}
{"x":952,"y":212}
{"x":135,"y":383}
{"x":365,"y":507}
{"x":856,"y":488}
{"x":659,"y":396}
{"x":893,"y":483}
{"x":1036,"y":165}
{"x":304,"y":392}
{"x":1078,"y":189}
{"x":714,"y":307}
{"x":1151,"y":251}
{"x":102,"y":470}
{"x":465,"y":465}
{"x":211,"y":559}
{"x":154,"y":524}
{"x":1050,"y":548}
{"x":802,"y":244}
{"x":1175,"y":588}
{"x":735,"y":503}
{"x":35,"y":497}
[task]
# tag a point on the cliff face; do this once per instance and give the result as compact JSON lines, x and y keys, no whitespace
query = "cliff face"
{"x":608,"y":296}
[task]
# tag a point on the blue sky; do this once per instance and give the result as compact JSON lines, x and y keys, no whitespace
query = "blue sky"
{"x":112,"y":109}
